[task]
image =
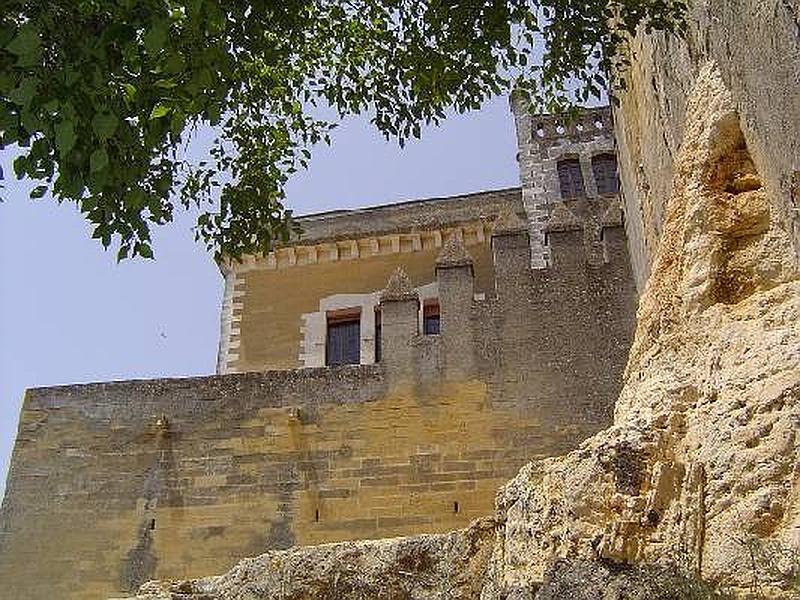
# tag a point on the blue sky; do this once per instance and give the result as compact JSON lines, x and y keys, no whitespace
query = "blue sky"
{"x":69,"y":313}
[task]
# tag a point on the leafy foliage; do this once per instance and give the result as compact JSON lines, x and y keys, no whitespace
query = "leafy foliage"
{"x":104,"y":95}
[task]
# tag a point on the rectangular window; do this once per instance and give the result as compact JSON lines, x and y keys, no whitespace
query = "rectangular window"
{"x":430,"y":319}
{"x":570,"y":178}
{"x":604,"y":167}
{"x":343,"y":340}
{"x":377,"y":336}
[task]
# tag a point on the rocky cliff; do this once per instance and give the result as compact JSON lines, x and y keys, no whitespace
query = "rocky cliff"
{"x":699,"y":477}
{"x":755,"y":45}
{"x":701,"y":466}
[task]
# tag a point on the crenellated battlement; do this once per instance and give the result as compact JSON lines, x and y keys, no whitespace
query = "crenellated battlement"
{"x":590,"y":124}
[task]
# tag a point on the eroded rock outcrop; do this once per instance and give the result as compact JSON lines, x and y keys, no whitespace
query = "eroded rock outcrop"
{"x":756,"y":46}
{"x":702,"y":461}
{"x":451,"y":565}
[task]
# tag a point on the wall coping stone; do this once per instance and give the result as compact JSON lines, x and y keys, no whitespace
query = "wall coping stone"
{"x":454,"y":254}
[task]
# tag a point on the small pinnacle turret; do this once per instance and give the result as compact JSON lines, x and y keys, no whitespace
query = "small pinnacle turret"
{"x":399,"y":287}
{"x":454,"y":254}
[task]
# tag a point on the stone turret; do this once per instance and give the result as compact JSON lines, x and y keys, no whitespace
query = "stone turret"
{"x":510,"y":249}
{"x":543,"y":141}
{"x":399,"y":307}
{"x":454,"y":274}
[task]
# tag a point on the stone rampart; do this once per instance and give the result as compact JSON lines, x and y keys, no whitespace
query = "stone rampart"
{"x":113,"y":484}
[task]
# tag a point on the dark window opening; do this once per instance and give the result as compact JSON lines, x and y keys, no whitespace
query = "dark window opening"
{"x":455,"y":507}
{"x":152,"y":524}
{"x":377,"y":336}
{"x":343,"y":340}
{"x":604,"y":167}
{"x":570,"y":178}
{"x":430,"y":319}
{"x":316,"y":516}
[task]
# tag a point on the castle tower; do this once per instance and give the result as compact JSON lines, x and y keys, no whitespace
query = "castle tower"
{"x":559,"y":160}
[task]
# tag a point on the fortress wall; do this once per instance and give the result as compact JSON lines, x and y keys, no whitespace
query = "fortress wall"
{"x":706,"y":422}
{"x":113,"y":484}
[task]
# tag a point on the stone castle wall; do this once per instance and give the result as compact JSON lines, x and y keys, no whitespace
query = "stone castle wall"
{"x":345,"y":258}
{"x":700,"y":468}
{"x":117,"y":483}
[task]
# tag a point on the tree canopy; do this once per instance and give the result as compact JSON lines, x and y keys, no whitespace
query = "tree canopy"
{"x":102,"y":96}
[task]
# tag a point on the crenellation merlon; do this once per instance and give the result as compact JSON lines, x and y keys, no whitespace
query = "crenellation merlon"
{"x":589,"y":124}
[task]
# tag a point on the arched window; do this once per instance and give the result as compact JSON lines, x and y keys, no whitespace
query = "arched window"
{"x":570,"y":178}
{"x":604,"y":167}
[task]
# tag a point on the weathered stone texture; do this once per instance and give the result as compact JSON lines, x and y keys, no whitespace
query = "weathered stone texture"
{"x":598,"y":579}
{"x":448,"y":566}
{"x":756,"y":47}
{"x":702,"y":458}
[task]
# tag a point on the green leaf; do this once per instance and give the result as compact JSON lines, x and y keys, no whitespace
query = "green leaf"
{"x":154,"y":39}
{"x":99,"y":160}
{"x":213,"y":113}
{"x":130,"y":91}
{"x":166,"y":84}
{"x":145,"y":251}
{"x":159,"y":110}
{"x":38,"y":191}
{"x":65,"y":137}
{"x":20,"y":166}
{"x":104,"y":125}
{"x":176,"y":122}
{"x":26,"y":42}
{"x":25,"y":91}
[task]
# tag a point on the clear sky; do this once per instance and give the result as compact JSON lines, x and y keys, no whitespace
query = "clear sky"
{"x":69,"y":313}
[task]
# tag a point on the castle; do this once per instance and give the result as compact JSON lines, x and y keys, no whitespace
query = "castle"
{"x":382,"y":375}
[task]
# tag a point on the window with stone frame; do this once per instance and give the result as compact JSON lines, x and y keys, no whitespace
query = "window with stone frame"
{"x":430,"y":318}
{"x":570,"y":178}
{"x":343,"y":338}
{"x":604,"y":167}
{"x":378,"y":322}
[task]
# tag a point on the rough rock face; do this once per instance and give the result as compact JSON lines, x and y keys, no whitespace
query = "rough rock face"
{"x":607,"y":580}
{"x":756,"y":45}
{"x":450,"y":565}
{"x":702,"y":462}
